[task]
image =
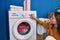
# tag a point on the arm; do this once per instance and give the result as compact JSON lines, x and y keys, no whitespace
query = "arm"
{"x":45,"y":24}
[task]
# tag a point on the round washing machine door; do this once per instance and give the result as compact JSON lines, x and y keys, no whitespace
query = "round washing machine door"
{"x":23,"y":29}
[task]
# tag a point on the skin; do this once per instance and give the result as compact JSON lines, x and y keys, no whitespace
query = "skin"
{"x":53,"y":20}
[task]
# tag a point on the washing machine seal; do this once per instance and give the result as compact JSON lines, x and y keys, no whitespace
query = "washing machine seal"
{"x":19,"y":36}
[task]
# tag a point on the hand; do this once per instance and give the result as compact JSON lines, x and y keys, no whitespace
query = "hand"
{"x":33,"y":16}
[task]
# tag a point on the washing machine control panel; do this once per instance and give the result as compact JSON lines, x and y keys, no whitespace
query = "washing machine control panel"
{"x":25,"y":15}
{"x":21,"y":14}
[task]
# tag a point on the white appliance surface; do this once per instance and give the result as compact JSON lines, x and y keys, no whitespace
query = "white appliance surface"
{"x":18,"y":18}
{"x":16,"y":8}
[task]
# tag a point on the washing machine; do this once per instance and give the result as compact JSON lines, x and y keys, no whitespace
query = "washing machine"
{"x":21,"y":26}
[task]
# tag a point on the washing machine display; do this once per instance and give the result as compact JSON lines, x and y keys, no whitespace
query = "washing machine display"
{"x":23,"y":28}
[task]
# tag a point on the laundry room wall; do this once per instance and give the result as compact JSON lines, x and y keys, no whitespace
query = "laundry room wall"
{"x":3,"y":35}
{"x":41,"y":6}
{"x":44,"y":6}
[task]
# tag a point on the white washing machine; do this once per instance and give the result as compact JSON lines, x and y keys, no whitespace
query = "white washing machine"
{"x":21,"y":26}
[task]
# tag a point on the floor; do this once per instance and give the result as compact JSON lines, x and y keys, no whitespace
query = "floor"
{"x":39,"y":37}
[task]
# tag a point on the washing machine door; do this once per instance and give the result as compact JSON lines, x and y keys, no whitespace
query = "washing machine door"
{"x":23,"y":29}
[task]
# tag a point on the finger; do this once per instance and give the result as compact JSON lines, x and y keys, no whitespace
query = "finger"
{"x":31,"y":14}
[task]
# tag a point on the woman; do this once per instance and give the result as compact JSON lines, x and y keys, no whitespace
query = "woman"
{"x":53,"y":26}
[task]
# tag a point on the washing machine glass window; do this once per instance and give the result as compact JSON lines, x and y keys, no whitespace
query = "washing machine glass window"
{"x":23,"y":28}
